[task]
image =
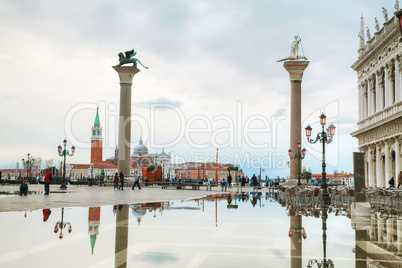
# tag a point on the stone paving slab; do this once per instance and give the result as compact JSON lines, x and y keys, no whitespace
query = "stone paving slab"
{"x":85,"y":196}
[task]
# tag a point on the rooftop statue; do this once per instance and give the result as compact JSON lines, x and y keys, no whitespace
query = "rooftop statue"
{"x":128,"y":57}
{"x":377,"y":26}
{"x":368,"y":34}
{"x":385,"y":13}
{"x":396,"y":6}
{"x":294,"y":51}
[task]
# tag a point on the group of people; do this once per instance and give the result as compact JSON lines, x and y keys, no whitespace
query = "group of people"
{"x":242,"y":180}
{"x":120,"y":178}
{"x":392,"y":181}
{"x":48,"y":179}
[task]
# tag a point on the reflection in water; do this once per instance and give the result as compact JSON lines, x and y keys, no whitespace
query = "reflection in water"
{"x":60,"y":225}
{"x":186,"y":234}
{"x":93,"y":225}
{"x":121,"y":236}
{"x":324,"y":263}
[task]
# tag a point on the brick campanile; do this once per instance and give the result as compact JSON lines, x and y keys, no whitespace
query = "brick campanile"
{"x":96,"y":140}
{"x":295,"y":69}
{"x":126,"y":76}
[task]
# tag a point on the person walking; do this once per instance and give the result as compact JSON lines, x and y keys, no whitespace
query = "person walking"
{"x":254,"y":180}
{"x":136,"y":181}
{"x":48,"y":177}
{"x":121,"y":180}
{"x":400,"y":179}
{"x":230,"y":180}
{"x":116,"y":181}
{"x":392,"y":182}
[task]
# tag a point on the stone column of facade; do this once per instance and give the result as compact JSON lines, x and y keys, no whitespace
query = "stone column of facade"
{"x":387,"y":163}
{"x":126,"y":75}
{"x":381,"y":84}
{"x":397,"y":159}
{"x":370,"y":167}
{"x":377,"y":93}
{"x":295,"y":69}
{"x":387,"y":89}
{"x":397,"y":81}
{"x":360,"y":102}
{"x":370,"y":94}
{"x":378,"y":165}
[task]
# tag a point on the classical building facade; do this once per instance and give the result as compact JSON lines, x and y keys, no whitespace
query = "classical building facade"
{"x":379,"y":126}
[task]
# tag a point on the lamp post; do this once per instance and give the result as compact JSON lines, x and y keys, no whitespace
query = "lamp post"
{"x":27,"y":163}
{"x":300,"y":230}
{"x":261,"y":169}
{"x":63,"y":153}
{"x":323,"y":137}
{"x":61,"y":224}
{"x":299,"y":156}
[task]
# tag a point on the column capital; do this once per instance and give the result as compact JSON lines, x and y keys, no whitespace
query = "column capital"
{"x":295,"y":69}
{"x":126,"y":73}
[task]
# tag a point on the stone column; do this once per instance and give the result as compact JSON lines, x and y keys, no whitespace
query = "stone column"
{"x":360,"y":102}
{"x":397,"y":159}
{"x":377,"y":94}
{"x":387,"y":159}
{"x":397,"y":80}
{"x":126,"y":75}
{"x":378,"y":165}
{"x":295,"y":69}
{"x":386,"y":86}
{"x":369,"y":98}
{"x":370,"y":168}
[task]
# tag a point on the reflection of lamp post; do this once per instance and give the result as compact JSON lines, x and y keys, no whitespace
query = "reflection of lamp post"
{"x":324,"y":263}
{"x":299,"y":156}
{"x":61,"y":224}
{"x":301,"y":231}
{"x":63,"y":153}
{"x":27,"y":163}
{"x":261,"y":169}
{"x":323,"y":137}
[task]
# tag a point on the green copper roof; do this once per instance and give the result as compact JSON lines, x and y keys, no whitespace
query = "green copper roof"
{"x":97,"y":121}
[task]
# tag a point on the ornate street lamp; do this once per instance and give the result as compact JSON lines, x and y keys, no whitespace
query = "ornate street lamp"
{"x":324,"y":137}
{"x":63,"y":153}
{"x":299,"y":156}
{"x":301,"y":231}
{"x":27,"y":163}
{"x":61,"y":224}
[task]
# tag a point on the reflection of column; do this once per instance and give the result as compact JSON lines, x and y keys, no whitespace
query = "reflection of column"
{"x":370,"y":168}
{"x":387,"y":163}
{"x":360,"y":248}
{"x":295,"y":246}
{"x":120,"y":259}
{"x":381,"y":229}
{"x":390,"y":232}
{"x":295,"y":69}
{"x":399,"y":235}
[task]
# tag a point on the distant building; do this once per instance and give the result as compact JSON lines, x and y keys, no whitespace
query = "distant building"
{"x":379,"y":126}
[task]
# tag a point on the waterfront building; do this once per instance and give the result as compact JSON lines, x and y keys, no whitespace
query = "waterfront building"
{"x":379,"y":126}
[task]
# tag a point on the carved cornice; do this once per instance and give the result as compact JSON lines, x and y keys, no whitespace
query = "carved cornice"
{"x":380,"y":134}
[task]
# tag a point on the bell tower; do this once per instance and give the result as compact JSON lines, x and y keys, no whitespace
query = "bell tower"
{"x":96,"y":140}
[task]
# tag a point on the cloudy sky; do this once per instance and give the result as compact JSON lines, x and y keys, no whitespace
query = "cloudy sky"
{"x":213,"y":80}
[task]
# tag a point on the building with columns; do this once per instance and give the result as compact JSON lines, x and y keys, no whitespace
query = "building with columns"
{"x":379,"y":126}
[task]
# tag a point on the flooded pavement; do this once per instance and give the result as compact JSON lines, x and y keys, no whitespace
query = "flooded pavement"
{"x":219,"y":230}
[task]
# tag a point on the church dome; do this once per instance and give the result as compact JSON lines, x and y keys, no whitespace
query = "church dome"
{"x":140,"y":149}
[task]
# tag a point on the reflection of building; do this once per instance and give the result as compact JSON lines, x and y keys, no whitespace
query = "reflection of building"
{"x":379,"y":126}
{"x":382,"y":241}
{"x":93,"y":225}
